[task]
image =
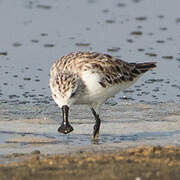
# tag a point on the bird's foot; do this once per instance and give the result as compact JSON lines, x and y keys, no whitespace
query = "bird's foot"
{"x":95,"y":137}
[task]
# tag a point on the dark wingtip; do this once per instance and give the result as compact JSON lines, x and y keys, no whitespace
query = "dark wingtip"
{"x":146,"y":66}
{"x":143,"y":67}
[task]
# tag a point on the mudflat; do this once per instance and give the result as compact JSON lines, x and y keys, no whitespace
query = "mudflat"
{"x":145,"y":162}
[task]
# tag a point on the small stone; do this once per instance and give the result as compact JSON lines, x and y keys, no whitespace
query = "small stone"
{"x":3,"y":53}
{"x":36,"y":152}
{"x":138,"y":33}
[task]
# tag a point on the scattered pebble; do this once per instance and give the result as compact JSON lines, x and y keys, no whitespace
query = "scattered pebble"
{"x":36,"y":152}
{"x":44,"y":34}
{"x":151,"y":54}
{"x":113,"y":49}
{"x":110,"y":21}
{"x":136,"y":33}
{"x":49,"y":45}
{"x":130,"y":40}
{"x":105,"y":10}
{"x":17,"y":44}
{"x":178,"y":20}
{"x":43,"y":6}
{"x":163,"y":28}
{"x":121,"y":4}
{"x":82,"y":44}
{"x":27,"y":78}
{"x":34,"y":40}
{"x":141,"y":18}
{"x":140,"y":49}
{"x":160,"y":41}
{"x":3,"y":53}
{"x":167,"y":57}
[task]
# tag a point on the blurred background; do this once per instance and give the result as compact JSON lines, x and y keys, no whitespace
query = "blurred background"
{"x":35,"y":33}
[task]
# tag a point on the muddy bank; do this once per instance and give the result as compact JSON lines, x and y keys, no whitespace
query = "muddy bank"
{"x":133,"y":163}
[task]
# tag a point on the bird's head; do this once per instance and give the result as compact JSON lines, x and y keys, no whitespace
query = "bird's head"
{"x":64,"y":88}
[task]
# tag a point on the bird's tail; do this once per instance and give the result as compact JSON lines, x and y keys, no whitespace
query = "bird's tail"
{"x":143,"y":67}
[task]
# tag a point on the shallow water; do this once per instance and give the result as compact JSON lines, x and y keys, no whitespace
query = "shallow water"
{"x":124,"y":125}
{"x":34,"y":34}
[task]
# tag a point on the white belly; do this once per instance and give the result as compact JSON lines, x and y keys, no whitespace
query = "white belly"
{"x":96,"y":93}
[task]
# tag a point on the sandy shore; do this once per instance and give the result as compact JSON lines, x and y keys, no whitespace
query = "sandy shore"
{"x":134,"y":164}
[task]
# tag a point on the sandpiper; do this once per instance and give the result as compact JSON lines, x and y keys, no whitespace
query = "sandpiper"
{"x":91,"y":78}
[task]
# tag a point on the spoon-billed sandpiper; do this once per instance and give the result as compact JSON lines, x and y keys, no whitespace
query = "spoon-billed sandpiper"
{"x":91,"y":78}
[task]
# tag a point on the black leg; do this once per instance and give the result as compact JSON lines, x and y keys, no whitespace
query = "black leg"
{"x":96,"y":126}
{"x":65,"y":126}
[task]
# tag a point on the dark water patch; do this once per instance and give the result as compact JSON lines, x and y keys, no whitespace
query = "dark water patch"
{"x":17,"y":44}
{"x":44,"y":34}
{"x":121,"y":5}
{"x":3,"y":53}
{"x":170,"y":39}
{"x":15,"y":76}
{"x":39,"y":69}
{"x":20,"y":86}
{"x":163,"y":28}
{"x":48,"y":45}
{"x":178,"y":20}
{"x":137,"y":1}
{"x":145,"y":92}
{"x":154,"y":80}
{"x":150,"y":34}
{"x":151,"y":54}
{"x":91,"y":1}
{"x":141,"y":18}
{"x":128,"y":91}
{"x":113,"y":49}
{"x":87,"y":28}
{"x":160,"y":16}
{"x":138,"y":89}
{"x":72,"y":38}
{"x":141,"y":50}
{"x":156,"y":89}
{"x":5,"y":84}
{"x":160,"y":41}
{"x":138,"y":33}
{"x":126,"y":98}
{"x":41,"y":95}
{"x":82,"y":44}
{"x":105,"y":10}
{"x":27,"y":78}
{"x":13,"y":96}
{"x":167,"y":82}
{"x":34,"y":41}
{"x":167,"y":57}
{"x":110,"y":21}
{"x":130,"y":40}
{"x":139,"y":27}
{"x":176,"y":86}
{"x":46,"y":7}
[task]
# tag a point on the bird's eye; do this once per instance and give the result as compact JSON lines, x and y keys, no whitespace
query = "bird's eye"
{"x":53,"y":95}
